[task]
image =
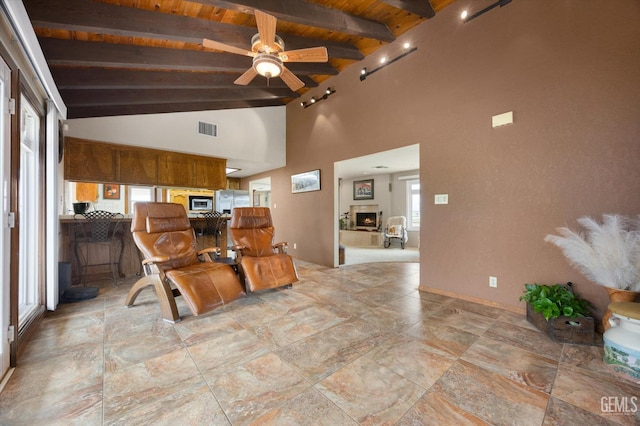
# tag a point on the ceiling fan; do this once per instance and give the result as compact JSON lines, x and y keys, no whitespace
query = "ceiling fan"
{"x":267,"y":51}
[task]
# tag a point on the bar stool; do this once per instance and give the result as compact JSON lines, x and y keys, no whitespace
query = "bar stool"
{"x":99,"y":228}
{"x":214,"y":224}
{"x":211,"y":225}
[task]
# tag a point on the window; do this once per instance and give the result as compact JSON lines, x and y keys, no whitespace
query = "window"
{"x":413,"y":204}
{"x":139,"y":193}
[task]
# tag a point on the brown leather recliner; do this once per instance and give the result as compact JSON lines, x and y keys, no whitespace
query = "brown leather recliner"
{"x":263,"y":264}
{"x":165,"y":238}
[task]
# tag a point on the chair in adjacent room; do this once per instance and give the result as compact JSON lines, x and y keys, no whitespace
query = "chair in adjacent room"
{"x":263,"y":264}
{"x":173,"y":265}
{"x":396,"y":230}
{"x":96,"y":230}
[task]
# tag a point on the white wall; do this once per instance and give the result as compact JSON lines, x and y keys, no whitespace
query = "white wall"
{"x":252,"y":139}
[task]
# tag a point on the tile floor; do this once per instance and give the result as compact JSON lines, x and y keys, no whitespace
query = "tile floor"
{"x":351,"y":345}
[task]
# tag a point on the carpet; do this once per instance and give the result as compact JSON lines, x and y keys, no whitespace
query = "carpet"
{"x":357,"y":255}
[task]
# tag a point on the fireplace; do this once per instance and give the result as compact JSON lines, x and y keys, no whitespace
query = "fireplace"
{"x":367,"y":221}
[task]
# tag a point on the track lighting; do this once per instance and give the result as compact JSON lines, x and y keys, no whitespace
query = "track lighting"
{"x":466,"y":17}
{"x":328,"y":92}
{"x":364,"y":73}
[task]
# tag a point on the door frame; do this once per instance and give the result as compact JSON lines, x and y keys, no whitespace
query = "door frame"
{"x":5,"y":238}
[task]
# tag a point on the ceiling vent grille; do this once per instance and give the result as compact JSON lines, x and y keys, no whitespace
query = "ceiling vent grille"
{"x":207,"y":129}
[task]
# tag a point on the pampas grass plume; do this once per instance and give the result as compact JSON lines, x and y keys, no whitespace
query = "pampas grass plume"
{"x":607,"y":253}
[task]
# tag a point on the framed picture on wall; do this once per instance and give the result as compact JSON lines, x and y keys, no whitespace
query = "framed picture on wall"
{"x":111,"y":191}
{"x":305,"y":182}
{"x":363,"y":189}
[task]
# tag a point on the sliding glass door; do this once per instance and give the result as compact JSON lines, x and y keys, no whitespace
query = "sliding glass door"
{"x":30,"y":203}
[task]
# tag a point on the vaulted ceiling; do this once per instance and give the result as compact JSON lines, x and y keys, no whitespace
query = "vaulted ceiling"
{"x":120,"y":57}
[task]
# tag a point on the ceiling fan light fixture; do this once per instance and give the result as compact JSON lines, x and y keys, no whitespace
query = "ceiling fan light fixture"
{"x":267,"y":65}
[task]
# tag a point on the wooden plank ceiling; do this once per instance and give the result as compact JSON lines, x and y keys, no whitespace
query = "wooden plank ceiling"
{"x":119,"y":57}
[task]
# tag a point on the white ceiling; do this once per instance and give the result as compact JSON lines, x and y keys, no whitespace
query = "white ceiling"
{"x":381,"y":163}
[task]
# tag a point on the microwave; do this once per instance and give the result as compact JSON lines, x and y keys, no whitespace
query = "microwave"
{"x":200,"y":203}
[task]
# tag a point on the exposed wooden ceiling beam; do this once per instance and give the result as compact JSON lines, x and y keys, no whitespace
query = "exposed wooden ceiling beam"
{"x":105,"y":111}
{"x":98,"y":78}
{"x":419,"y":7}
{"x":101,"y":18}
{"x":95,"y":97}
{"x":310,"y":14}
{"x":107,"y":55}
{"x":113,"y":57}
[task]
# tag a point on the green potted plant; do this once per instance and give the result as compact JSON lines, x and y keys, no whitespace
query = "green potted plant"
{"x":558,"y":312}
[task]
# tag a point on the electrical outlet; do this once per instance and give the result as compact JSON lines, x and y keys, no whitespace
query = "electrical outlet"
{"x":294,"y":246}
{"x":493,"y":282}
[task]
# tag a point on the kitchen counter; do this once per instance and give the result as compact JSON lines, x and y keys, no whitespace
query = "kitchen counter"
{"x":130,"y":258}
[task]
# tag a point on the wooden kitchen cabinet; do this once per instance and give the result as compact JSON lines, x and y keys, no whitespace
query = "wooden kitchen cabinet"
{"x":210,"y":173}
{"x":87,"y":161}
{"x":176,"y":170}
{"x":92,"y":161}
{"x":138,"y":166}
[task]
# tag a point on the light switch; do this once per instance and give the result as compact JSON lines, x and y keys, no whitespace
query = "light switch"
{"x":442,"y":199}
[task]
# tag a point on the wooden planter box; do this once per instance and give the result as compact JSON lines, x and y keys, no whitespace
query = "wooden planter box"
{"x":564,"y":329}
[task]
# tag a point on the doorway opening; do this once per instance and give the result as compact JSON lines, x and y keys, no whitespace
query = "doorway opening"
{"x":260,"y":190}
{"x":392,"y":181}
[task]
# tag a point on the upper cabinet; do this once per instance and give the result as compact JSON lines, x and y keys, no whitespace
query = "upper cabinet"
{"x":209,"y":174}
{"x":176,"y":170}
{"x":139,"y":166}
{"x":91,"y":161}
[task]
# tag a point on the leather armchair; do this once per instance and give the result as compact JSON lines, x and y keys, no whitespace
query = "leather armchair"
{"x":163,"y":234}
{"x":263,"y":264}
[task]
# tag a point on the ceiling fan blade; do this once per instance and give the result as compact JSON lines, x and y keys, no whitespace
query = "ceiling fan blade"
{"x":211,"y":44}
{"x":311,"y":54}
{"x":267,"y":29}
{"x":291,"y":80}
{"x":246,"y":78}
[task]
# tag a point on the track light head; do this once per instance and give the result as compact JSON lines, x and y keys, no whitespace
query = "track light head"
{"x":328,"y":92}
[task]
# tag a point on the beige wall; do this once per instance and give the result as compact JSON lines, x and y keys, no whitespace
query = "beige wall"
{"x":569,"y":71}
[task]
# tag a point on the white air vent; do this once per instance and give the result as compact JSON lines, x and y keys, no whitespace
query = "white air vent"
{"x":207,"y":129}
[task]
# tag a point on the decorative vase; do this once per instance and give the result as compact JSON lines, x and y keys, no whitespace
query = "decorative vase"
{"x":617,"y":295}
{"x":622,"y":341}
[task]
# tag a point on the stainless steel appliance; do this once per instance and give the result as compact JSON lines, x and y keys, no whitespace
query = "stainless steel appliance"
{"x":200,"y":203}
{"x":229,"y":199}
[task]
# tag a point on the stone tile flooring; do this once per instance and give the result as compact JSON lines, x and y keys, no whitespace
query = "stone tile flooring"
{"x":352,"y":345}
